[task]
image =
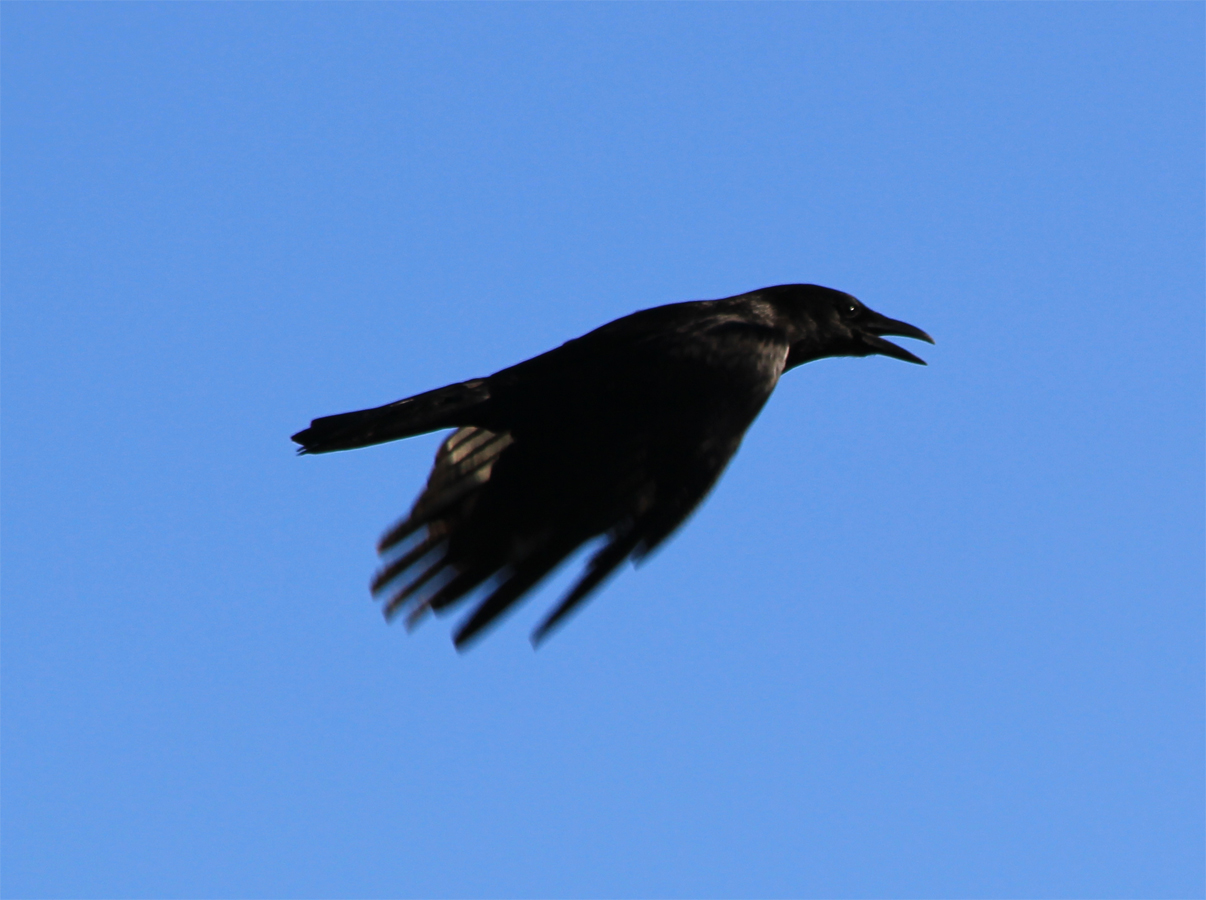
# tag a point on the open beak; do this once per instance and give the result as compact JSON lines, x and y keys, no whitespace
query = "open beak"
{"x":875,"y":326}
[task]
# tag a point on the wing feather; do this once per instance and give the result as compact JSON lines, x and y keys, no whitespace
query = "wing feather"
{"x":575,"y":451}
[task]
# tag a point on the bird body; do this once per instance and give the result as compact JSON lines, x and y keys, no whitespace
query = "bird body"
{"x":619,"y":433}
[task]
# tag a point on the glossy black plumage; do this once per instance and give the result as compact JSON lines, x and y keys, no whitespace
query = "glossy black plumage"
{"x":619,"y":433}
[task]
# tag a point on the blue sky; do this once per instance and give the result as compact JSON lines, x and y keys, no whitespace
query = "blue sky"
{"x":937,"y":633}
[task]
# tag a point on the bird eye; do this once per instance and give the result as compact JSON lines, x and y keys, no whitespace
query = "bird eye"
{"x":850,"y":310}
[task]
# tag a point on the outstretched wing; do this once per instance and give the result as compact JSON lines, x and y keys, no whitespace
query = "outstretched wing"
{"x":579,"y":451}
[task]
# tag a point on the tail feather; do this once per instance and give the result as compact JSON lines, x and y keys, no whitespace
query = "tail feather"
{"x":444,"y":407}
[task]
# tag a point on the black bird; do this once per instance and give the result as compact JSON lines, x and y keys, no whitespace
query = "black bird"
{"x":621,"y":432}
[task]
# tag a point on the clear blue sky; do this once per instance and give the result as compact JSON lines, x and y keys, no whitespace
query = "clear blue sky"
{"x":939,"y":631}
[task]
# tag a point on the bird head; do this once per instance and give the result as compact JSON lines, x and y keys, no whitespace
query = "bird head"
{"x":833,"y":323}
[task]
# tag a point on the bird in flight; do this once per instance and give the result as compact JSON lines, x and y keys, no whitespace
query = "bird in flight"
{"x":618,"y":434}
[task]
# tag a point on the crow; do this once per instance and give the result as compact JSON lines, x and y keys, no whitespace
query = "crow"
{"x":618,"y":434}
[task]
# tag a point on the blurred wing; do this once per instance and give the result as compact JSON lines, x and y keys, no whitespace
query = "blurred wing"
{"x":625,"y":445}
